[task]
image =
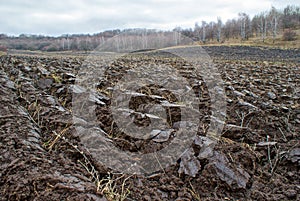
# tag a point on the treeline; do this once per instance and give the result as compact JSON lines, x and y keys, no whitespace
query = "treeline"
{"x":264,"y":25}
{"x":62,"y":43}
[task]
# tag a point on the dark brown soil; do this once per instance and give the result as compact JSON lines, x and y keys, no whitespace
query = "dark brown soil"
{"x":257,"y":157}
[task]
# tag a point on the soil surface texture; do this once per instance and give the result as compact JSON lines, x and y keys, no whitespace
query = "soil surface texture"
{"x":257,"y":156}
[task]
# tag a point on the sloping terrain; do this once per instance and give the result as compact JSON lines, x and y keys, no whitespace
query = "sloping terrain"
{"x":257,"y":157}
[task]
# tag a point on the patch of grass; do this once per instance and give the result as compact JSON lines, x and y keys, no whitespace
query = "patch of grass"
{"x":110,"y":190}
{"x":56,"y":78}
{"x":194,"y":193}
{"x":110,"y":186}
{"x":2,"y":53}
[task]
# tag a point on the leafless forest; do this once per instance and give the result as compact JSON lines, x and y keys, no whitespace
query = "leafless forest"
{"x":271,"y":25}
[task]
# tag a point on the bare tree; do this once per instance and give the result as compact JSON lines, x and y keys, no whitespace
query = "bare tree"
{"x":245,"y":26}
{"x":197,"y":30}
{"x":211,"y":30}
{"x":242,"y":25}
{"x":219,"y":29}
{"x":274,"y":15}
{"x":263,"y":26}
{"x":204,"y":31}
{"x":291,"y":17}
{"x":177,"y":35}
{"x":68,"y":42}
{"x":145,"y":39}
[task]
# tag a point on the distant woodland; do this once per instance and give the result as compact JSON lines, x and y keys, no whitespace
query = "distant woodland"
{"x":265,"y":25}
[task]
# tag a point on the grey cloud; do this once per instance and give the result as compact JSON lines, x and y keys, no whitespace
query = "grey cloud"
{"x":55,"y":17}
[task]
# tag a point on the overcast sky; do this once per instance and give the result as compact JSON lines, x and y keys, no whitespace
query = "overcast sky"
{"x":56,"y":17}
